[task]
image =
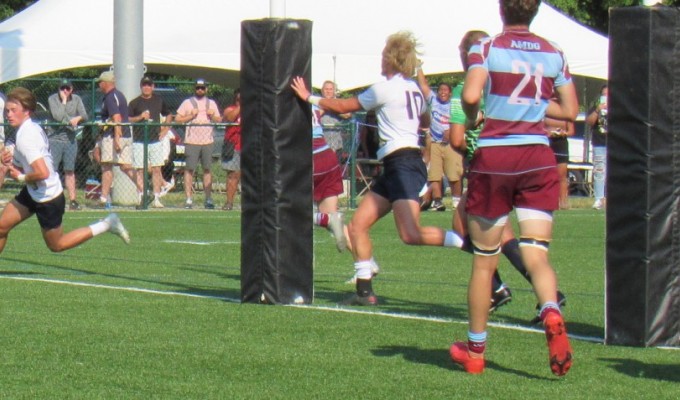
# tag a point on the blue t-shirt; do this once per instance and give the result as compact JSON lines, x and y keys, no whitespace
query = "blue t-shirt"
{"x":115,"y":103}
{"x":440,"y":117}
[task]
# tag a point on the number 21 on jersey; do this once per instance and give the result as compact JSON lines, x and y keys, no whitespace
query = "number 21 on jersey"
{"x":524,"y":68}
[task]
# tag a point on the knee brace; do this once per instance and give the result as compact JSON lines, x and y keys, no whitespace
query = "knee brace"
{"x":485,"y":252}
{"x":538,"y":243}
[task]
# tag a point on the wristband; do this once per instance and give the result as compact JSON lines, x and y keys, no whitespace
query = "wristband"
{"x":21,"y":178}
{"x":314,"y":100}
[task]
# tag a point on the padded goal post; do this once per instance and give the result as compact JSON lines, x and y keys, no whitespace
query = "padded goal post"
{"x":276,"y":163}
{"x":643,"y":182}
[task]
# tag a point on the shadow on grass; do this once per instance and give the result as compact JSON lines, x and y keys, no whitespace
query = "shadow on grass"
{"x":576,"y":328}
{"x":178,"y":287}
{"x":639,"y":369}
{"x":440,"y":358}
{"x":397,"y":305}
{"x":18,"y":273}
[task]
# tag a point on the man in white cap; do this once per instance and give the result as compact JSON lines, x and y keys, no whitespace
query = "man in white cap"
{"x":198,"y":111}
{"x":116,"y":146}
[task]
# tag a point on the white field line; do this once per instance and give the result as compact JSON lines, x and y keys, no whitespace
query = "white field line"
{"x":201,"y":243}
{"x":322,"y":308}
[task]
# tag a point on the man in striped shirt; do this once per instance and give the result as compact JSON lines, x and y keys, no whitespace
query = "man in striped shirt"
{"x":514,"y":167}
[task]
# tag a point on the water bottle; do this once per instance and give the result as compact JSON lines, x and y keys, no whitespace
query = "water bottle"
{"x":602,"y":119}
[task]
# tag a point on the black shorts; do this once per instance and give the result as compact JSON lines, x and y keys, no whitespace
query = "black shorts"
{"x":404,"y":175}
{"x":49,"y":213}
{"x":560,"y":146}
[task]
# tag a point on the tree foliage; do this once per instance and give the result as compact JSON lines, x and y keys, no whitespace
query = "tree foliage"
{"x":595,"y":13}
{"x":10,"y":7}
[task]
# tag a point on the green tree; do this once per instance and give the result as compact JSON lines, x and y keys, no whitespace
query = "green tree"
{"x":10,"y":7}
{"x":595,"y":13}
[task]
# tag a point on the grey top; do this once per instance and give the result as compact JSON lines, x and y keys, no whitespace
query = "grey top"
{"x":63,"y":113}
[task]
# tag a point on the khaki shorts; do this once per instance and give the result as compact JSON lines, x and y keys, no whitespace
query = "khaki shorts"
{"x":444,"y":161}
{"x":154,"y":157}
{"x":111,"y":157}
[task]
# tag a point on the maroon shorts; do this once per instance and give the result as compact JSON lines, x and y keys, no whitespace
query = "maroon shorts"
{"x":327,"y":175}
{"x":504,"y":177}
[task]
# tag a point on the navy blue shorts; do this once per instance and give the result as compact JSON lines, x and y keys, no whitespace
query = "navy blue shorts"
{"x":404,"y":175}
{"x":49,"y":213}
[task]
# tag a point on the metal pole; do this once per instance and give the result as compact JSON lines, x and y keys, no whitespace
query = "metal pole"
{"x":128,"y":67}
{"x":277,"y":8}
{"x":128,"y":45}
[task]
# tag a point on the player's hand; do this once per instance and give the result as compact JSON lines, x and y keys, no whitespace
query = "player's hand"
{"x":6,"y":157}
{"x":300,"y":88}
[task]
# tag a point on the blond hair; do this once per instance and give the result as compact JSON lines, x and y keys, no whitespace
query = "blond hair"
{"x":401,"y":52}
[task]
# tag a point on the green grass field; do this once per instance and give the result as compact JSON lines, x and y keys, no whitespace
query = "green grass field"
{"x":161,"y":319}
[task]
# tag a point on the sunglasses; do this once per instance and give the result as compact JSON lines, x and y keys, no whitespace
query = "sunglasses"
{"x":147,"y":84}
{"x":66,"y":88}
{"x":200,"y":87}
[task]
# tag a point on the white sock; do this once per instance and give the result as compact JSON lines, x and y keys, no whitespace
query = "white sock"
{"x":363,"y":269}
{"x":100,"y":227}
{"x":453,"y":239}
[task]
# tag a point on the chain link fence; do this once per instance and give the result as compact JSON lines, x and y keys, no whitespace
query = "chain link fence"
{"x":88,"y":171}
{"x":357,"y":154}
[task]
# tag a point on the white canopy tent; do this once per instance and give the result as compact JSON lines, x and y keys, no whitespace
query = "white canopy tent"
{"x":201,"y":38}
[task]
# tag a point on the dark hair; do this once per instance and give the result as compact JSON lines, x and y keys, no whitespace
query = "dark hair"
{"x":440,"y":84}
{"x":519,"y":12}
{"x":24,"y":97}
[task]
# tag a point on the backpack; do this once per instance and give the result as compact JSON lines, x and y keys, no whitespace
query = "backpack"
{"x":194,"y":103}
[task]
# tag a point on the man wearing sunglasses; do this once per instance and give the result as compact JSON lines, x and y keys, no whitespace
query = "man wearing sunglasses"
{"x":198,"y":111}
{"x":67,"y":109}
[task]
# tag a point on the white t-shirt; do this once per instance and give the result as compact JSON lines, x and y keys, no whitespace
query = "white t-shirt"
{"x":2,"y":119}
{"x":398,"y":103}
{"x":31,"y":145}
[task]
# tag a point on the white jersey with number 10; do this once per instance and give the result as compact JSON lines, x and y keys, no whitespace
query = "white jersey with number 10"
{"x":398,"y":103}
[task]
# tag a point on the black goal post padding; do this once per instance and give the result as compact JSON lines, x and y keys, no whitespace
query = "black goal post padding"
{"x":276,"y":163}
{"x":643,"y":181}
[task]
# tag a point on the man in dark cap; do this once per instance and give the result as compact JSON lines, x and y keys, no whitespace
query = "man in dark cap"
{"x":67,"y":109}
{"x":149,"y":107}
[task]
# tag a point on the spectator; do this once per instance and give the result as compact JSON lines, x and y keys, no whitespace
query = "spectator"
{"x":405,"y":174}
{"x":3,"y":141}
{"x":232,"y":133}
{"x":333,"y":123}
{"x":42,"y":193}
{"x":597,"y":120}
{"x":558,"y":131}
{"x":116,"y":141}
{"x":198,"y":111}
{"x":514,"y":168}
{"x":327,"y":183}
{"x":66,"y":108}
{"x":444,"y":159}
{"x":149,"y":107}
{"x":169,"y":146}
{"x":2,"y":117}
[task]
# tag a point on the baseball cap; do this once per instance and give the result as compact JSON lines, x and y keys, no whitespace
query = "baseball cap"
{"x":65,"y":82}
{"x":200,"y":82}
{"x":147,"y":80}
{"x":106,"y":76}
